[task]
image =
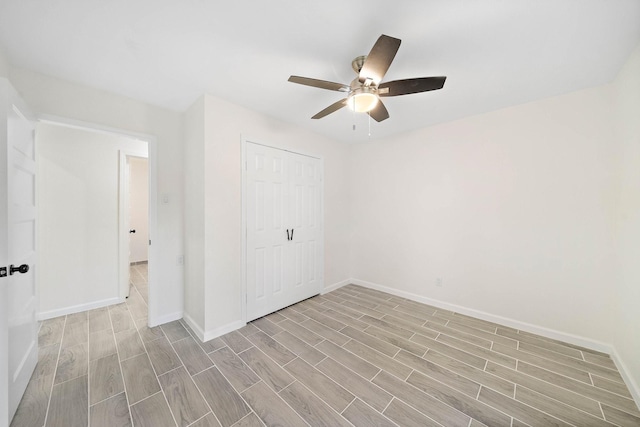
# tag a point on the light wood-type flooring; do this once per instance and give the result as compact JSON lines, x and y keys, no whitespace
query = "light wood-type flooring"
{"x":351,"y":357}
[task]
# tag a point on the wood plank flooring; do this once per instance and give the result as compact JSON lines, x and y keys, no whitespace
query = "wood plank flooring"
{"x":353,"y":357}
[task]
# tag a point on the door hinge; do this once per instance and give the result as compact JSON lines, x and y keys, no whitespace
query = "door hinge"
{"x":3,"y":271}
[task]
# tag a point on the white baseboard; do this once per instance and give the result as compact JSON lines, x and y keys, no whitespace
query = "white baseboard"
{"x":225,"y":329}
{"x":205,"y":336}
{"x":194,"y":326}
{"x":165,"y":318}
{"x":516,"y":324}
{"x":49,"y":314}
{"x":335,"y":286}
{"x":632,"y":385}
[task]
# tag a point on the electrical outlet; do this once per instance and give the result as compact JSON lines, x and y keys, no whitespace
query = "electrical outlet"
{"x":181,"y":260}
{"x":439,"y":282}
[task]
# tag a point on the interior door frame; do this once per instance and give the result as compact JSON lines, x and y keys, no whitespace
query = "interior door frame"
{"x":4,"y":261}
{"x":152,"y":155}
{"x":124,"y":180}
{"x":243,"y":263}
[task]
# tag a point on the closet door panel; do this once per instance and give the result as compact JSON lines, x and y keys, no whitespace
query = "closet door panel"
{"x":266,"y":198}
{"x":305,"y":207}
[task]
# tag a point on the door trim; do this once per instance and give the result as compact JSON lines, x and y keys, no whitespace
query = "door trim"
{"x":152,"y":145}
{"x":243,"y":264}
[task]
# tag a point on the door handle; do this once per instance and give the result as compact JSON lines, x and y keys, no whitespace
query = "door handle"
{"x":292,"y":234}
{"x":132,"y":231}
{"x":288,"y":238}
{"x":22,"y":269}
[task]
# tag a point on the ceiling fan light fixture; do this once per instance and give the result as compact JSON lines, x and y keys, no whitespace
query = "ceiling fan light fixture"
{"x":366,"y":90}
{"x":363,"y":99}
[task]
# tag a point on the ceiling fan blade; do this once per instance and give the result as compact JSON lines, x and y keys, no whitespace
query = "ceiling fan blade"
{"x":322,"y":84}
{"x":331,"y":109}
{"x":379,"y":59}
{"x":379,"y":113}
{"x":407,"y":86}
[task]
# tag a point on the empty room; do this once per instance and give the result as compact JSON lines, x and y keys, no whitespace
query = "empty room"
{"x":294,"y":213}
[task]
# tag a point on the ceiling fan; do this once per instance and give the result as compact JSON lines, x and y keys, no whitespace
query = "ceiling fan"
{"x":365,"y":91}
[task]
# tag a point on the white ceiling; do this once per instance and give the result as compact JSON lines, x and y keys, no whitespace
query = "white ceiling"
{"x":495,"y":53}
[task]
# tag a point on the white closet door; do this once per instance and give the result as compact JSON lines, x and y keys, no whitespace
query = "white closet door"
{"x":283,"y":213}
{"x":305,"y":222}
{"x":266,"y":195}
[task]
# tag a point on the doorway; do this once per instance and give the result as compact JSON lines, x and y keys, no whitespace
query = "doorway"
{"x":80,"y":235}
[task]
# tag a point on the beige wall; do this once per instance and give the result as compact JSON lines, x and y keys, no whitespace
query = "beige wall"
{"x":77,"y":200}
{"x":512,"y":209}
{"x":4,"y":65}
{"x":626,"y":336}
{"x":48,"y":95}
{"x":194,"y":216}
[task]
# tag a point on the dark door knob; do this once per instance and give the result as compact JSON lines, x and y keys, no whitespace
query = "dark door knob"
{"x":22,"y":269}
{"x":132,"y":231}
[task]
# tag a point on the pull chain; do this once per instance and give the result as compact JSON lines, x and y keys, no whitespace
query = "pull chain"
{"x":369,"y":114}
{"x":353,"y":114}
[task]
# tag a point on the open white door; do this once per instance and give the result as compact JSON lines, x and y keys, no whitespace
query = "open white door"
{"x":18,"y":325}
{"x":138,"y":209}
{"x":126,"y":233}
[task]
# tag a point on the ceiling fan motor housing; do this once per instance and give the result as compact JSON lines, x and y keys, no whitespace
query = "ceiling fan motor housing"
{"x":357,"y":63}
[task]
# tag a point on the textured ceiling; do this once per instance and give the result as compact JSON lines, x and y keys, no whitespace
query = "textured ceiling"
{"x":495,"y":53}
